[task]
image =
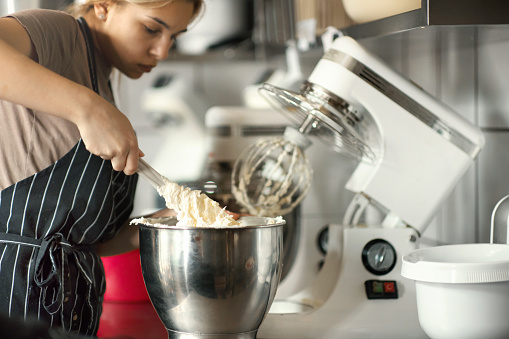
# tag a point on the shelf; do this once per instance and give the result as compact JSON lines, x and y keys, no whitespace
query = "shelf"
{"x":436,"y":13}
{"x":435,"y":16}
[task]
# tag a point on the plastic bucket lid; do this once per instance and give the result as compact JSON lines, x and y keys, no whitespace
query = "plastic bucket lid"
{"x":466,"y":263}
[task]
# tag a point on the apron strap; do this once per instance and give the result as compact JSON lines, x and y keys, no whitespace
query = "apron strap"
{"x":19,"y":239}
{"x":90,"y":53}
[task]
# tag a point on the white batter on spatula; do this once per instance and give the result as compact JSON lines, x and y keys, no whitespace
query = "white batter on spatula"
{"x":194,"y":208}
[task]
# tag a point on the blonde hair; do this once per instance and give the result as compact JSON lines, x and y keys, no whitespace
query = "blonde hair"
{"x":80,"y":8}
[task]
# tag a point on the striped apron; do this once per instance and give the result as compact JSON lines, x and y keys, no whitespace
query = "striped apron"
{"x":49,"y":224}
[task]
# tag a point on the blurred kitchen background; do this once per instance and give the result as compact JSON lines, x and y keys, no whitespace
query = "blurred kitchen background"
{"x":237,"y":42}
{"x":464,"y":66}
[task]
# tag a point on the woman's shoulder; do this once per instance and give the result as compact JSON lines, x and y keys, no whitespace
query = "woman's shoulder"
{"x":54,"y":34}
{"x":46,"y":17}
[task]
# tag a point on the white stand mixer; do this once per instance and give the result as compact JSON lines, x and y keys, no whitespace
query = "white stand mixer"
{"x":413,"y":150}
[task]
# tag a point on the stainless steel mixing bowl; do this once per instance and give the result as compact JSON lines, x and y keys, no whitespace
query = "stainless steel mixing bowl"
{"x":219,"y":190}
{"x":211,"y":282}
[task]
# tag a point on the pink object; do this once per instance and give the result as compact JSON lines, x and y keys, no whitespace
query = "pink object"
{"x":124,"y":280}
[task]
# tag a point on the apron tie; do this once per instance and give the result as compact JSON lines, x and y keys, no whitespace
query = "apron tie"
{"x":52,"y":274}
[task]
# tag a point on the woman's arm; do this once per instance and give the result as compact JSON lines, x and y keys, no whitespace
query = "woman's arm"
{"x":105,"y":131}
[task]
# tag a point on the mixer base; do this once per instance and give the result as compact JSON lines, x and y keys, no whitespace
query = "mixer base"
{"x":336,"y":304}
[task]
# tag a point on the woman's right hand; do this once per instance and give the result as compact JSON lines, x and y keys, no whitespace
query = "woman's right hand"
{"x":108,"y":133}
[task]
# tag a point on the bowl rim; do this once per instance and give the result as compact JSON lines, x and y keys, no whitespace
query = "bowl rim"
{"x":423,"y":265}
{"x":163,"y":223}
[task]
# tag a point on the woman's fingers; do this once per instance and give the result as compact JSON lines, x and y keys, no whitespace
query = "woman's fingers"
{"x":126,"y":160}
{"x":109,"y":134}
{"x":131,"y":163}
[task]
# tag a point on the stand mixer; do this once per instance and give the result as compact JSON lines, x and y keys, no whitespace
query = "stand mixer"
{"x":411,"y":150}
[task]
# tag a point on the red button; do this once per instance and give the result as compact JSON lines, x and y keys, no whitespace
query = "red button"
{"x":389,"y":287}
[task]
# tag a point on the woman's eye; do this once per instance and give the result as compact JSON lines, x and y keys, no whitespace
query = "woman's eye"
{"x":150,"y":30}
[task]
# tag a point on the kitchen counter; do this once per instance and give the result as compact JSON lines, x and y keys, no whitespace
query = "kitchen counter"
{"x":130,"y":320}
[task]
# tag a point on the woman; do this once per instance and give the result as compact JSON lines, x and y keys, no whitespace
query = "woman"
{"x":67,"y":154}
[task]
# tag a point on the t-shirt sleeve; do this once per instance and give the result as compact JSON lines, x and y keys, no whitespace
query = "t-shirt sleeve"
{"x":54,"y":35}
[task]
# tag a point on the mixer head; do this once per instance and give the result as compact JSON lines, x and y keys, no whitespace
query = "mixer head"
{"x":319,"y":113}
{"x":273,"y":175}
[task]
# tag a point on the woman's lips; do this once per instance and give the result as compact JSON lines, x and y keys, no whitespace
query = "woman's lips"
{"x":146,"y":68}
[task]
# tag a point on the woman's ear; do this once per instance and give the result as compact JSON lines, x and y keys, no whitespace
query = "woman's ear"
{"x":101,"y":10}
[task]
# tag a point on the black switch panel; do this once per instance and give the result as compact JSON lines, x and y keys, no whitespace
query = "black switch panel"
{"x":381,"y":289}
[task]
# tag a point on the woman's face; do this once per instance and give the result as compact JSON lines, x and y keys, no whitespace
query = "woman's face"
{"x":135,"y":38}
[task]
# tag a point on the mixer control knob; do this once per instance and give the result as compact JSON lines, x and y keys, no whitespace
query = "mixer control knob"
{"x":379,"y":257}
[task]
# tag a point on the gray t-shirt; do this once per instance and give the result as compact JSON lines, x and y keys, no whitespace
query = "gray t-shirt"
{"x":30,"y":140}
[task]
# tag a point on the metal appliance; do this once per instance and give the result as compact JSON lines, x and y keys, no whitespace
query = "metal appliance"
{"x":411,"y":152}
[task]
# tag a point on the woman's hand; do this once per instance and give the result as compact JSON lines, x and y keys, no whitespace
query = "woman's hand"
{"x":234,"y":215}
{"x":165,"y":212}
{"x":108,"y":133}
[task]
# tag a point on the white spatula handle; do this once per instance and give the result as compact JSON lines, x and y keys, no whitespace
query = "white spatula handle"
{"x":150,"y":174}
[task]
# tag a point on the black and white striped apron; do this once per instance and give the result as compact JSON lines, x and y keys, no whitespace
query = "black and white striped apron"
{"x":49,"y":224}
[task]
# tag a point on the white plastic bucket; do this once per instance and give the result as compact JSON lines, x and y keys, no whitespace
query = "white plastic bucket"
{"x":462,"y":290}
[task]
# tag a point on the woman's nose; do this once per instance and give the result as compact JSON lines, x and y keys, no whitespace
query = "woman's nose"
{"x":161,"y":49}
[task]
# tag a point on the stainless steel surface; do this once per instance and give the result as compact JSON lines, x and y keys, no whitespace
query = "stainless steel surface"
{"x":436,"y":13}
{"x":150,"y":174}
{"x":211,"y":282}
